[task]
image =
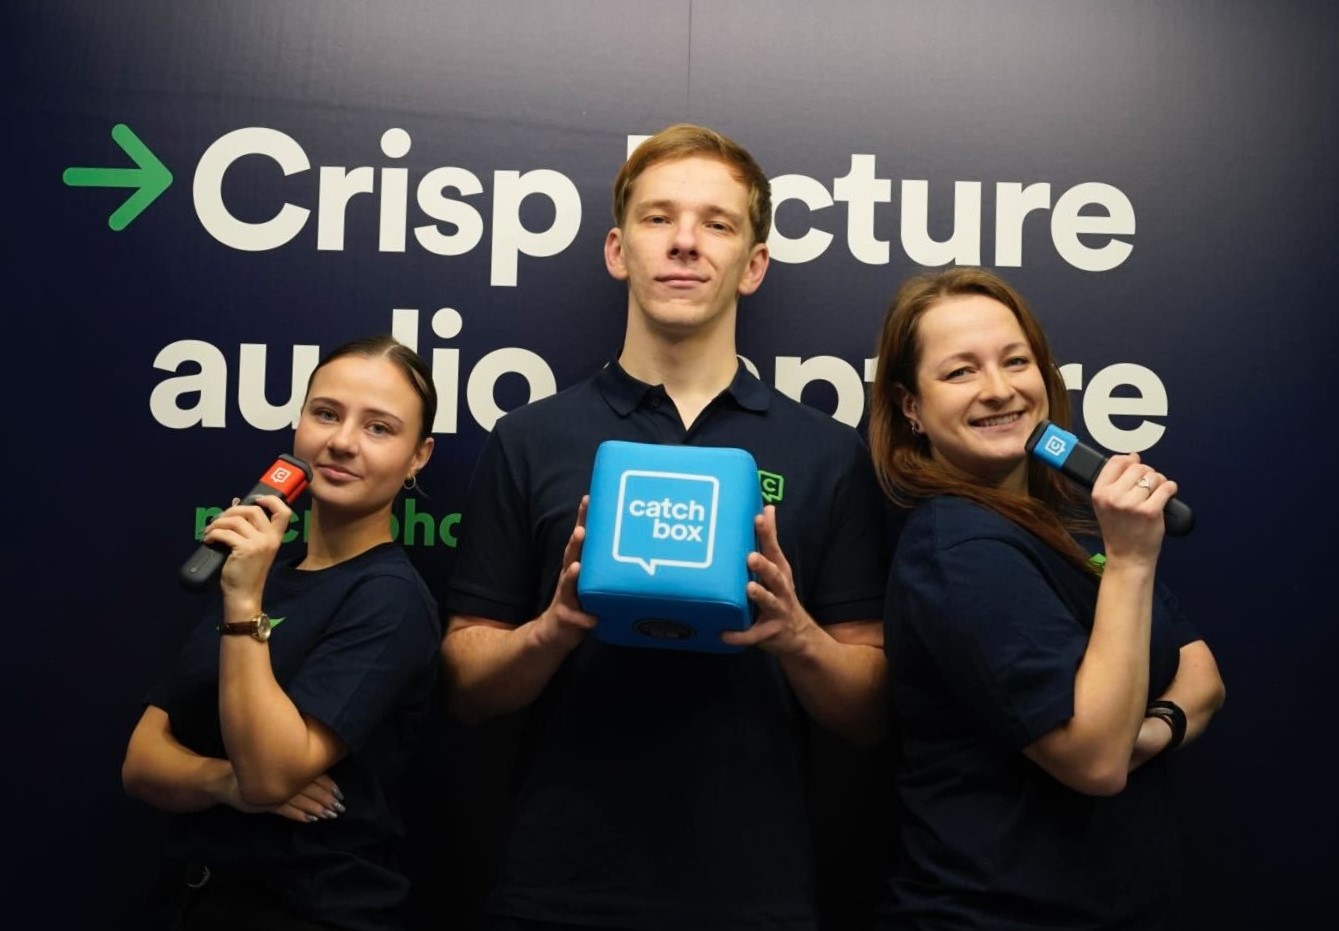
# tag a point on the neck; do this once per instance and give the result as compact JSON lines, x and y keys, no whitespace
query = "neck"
{"x":694,"y":366}
{"x":335,"y":538}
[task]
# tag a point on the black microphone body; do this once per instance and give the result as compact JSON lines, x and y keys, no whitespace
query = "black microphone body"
{"x":1078,"y":461}
{"x":287,"y":478}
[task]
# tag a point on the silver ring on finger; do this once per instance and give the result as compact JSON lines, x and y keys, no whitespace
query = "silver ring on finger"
{"x":1145,"y":484}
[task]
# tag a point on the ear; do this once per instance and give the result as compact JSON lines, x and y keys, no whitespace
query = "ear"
{"x":613,"y":254}
{"x":907,"y":401}
{"x":752,"y":278}
{"x":422,"y":455}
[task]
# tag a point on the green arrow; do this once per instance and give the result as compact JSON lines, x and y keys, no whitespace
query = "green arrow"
{"x":151,"y":177}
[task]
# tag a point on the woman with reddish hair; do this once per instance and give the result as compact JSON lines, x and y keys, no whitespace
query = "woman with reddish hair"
{"x":1041,"y":675}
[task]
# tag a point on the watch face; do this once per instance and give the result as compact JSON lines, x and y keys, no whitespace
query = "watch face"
{"x":263,"y":628}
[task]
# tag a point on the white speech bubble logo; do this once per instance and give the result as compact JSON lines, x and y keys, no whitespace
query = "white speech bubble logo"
{"x":649,"y":563}
{"x":1055,"y":445}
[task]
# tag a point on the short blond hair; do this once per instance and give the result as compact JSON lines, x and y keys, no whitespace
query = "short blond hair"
{"x":684,"y":140}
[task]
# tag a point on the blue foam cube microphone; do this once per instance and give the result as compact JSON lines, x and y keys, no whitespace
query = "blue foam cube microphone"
{"x":668,"y":533}
{"x":1079,"y":462}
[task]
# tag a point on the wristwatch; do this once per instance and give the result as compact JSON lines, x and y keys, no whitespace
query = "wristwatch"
{"x":1170,"y":712}
{"x":258,"y":628}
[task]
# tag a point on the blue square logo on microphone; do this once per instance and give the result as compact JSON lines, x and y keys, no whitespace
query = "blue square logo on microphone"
{"x":666,"y":519}
{"x":1054,"y":446}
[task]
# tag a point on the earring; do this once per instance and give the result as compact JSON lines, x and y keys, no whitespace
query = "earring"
{"x":411,"y":483}
{"x":915,"y":426}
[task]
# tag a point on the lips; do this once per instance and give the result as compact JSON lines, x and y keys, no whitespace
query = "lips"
{"x":998,"y":420}
{"x":335,"y":473}
{"x":680,"y":281}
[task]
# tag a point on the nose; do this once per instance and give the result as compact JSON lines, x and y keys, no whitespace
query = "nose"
{"x":684,"y":243}
{"x":995,"y":384}
{"x":343,"y":440}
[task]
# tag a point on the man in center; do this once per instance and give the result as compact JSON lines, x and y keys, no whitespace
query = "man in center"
{"x":665,"y":790}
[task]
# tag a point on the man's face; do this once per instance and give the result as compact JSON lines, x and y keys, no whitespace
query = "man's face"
{"x":686,"y":247}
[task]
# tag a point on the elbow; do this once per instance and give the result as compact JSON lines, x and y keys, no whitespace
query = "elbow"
{"x":1097,"y":771}
{"x":464,"y":710}
{"x":263,"y":790}
{"x":1099,"y":781}
{"x":134,"y":780}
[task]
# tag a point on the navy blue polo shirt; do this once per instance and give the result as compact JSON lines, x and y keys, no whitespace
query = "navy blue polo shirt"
{"x":986,"y":627}
{"x":660,"y":789}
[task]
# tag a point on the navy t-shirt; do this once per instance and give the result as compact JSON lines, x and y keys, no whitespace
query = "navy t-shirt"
{"x":664,"y":789}
{"x":355,"y":646}
{"x":985,"y":628}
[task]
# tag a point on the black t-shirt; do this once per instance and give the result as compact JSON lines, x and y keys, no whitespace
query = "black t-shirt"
{"x":986,"y":627}
{"x":356,"y":647}
{"x":663,"y":789}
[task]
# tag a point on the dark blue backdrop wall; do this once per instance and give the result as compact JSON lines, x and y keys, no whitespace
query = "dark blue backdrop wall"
{"x":1158,"y":178}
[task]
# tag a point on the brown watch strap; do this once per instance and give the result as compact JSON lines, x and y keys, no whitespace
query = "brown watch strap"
{"x":257,"y":627}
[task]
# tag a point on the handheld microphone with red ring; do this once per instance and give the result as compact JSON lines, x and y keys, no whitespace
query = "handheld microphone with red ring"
{"x":287,"y":478}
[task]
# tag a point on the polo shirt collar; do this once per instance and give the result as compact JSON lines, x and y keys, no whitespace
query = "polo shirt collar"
{"x":624,"y":393}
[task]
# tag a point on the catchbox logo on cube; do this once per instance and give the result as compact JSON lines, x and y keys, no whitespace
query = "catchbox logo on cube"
{"x":666,"y":519}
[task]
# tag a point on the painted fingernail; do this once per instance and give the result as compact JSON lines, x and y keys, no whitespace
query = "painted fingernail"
{"x":338,"y":794}
{"x":339,"y":807}
{"x":311,"y":818}
{"x":329,"y":813}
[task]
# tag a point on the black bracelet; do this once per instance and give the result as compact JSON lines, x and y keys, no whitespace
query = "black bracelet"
{"x":1170,"y":712}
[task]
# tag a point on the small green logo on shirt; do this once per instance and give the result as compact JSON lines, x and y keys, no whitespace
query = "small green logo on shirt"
{"x":773,"y":486}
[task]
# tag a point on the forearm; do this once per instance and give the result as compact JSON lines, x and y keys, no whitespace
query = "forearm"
{"x":272,"y":749}
{"x":1111,"y":686}
{"x":161,"y":771}
{"x":842,"y":686}
{"x":493,"y":669}
{"x":1093,"y":750}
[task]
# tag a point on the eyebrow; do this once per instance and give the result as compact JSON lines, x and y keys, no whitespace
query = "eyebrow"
{"x":712,"y":210}
{"x":372,"y":411}
{"x":1011,"y":348}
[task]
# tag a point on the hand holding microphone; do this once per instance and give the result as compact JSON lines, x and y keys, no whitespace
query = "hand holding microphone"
{"x":287,"y":477}
{"x":1063,"y":451}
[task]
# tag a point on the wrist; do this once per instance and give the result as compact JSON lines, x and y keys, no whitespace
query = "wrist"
{"x":549,"y":636}
{"x":240,"y":609}
{"x":1170,"y":713}
{"x":257,"y":627}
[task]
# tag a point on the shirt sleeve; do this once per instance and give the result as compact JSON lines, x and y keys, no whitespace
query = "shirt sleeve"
{"x":495,"y":564}
{"x":378,"y":648}
{"x":853,"y":568}
{"x":1006,"y":645}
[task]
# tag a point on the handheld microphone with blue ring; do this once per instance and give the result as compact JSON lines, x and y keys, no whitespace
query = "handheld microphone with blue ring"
{"x":1078,"y":461}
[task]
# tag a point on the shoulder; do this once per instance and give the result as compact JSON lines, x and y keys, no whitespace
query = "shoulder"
{"x":946,"y":523}
{"x":547,"y":411}
{"x":820,"y":449}
{"x":812,"y":424}
{"x":386,"y":574}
